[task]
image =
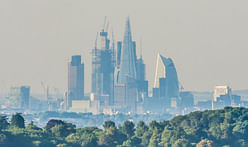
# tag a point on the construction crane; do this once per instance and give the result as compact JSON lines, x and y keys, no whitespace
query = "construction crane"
{"x":105,"y":25}
{"x":46,"y":90}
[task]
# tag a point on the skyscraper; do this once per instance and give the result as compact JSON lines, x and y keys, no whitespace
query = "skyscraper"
{"x":103,"y":67}
{"x":166,"y":77}
{"x":75,"y":80}
{"x":127,"y":57}
{"x":140,"y":72}
{"x":20,"y":97}
{"x":126,"y":92}
{"x":142,"y":83}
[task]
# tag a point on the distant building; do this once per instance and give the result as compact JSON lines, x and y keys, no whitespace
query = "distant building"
{"x":142,"y":83}
{"x":166,"y":80}
{"x":85,"y":106}
{"x":20,"y":97}
{"x":187,"y":99}
{"x":236,"y":100}
{"x":222,"y":97}
{"x":129,"y":86}
{"x":141,"y":70}
{"x":204,"y":105}
{"x":126,"y":96}
{"x":75,"y":80}
{"x":221,"y":90}
{"x":128,"y":57}
{"x":103,"y":67}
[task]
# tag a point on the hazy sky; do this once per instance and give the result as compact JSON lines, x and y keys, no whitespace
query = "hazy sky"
{"x":207,"y":39}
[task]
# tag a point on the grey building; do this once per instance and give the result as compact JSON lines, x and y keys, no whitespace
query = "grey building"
{"x":75,"y":80}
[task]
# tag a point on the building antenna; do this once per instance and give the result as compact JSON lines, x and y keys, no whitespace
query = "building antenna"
{"x":104,"y":23}
{"x":113,"y":47}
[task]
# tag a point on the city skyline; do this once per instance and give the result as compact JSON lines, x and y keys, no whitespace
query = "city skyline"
{"x":41,"y":55}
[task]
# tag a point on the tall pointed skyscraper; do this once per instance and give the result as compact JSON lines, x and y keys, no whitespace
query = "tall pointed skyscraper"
{"x":128,"y":57}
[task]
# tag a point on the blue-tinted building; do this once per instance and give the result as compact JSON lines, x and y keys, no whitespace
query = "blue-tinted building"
{"x":127,"y":57}
{"x":166,"y":77}
{"x":20,"y":97}
{"x":103,"y":67}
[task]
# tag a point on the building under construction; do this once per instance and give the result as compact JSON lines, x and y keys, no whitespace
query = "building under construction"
{"x":103,"y":64}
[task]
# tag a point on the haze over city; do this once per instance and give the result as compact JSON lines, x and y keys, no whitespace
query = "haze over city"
{"x":207,"y":40}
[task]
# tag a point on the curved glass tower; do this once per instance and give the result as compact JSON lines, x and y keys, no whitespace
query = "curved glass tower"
{"x":166,"y":77}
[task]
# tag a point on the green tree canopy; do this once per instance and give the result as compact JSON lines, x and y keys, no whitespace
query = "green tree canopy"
{"x":4,"y":122}
{"x":17,"y":121}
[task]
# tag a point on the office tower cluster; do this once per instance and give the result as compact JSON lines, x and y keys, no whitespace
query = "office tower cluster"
{"x":118,"y":79}
{"x":119,"y":84}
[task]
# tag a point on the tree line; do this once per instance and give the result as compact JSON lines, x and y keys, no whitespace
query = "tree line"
{"x":226,"y":127}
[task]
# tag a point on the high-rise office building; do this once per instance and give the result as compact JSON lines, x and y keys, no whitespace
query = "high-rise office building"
{"x":103,"y":67}
{"x":128,"y":56}
{"x":126,"y":88}
{"x":142,"y":83}
{"x":75,"y":80}
{"x":141,"y":70}
{"x":20,"y":97}
{"x":166,"y":78}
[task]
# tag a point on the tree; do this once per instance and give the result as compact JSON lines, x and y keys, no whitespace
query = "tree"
{"x":31,"y":126}
{"x":141,"y":128}
{"x":181,"y":143}
{"x":108,"y":124}
{"x":90,"y":140}
{"x":3,"y":122}
{"x":112,"y":137}
{"x":128,"y":128}
{"x":53,"y":122}
{"x":17,"y":121}
{"x":63,"y":130}
{"x":205,"y":143}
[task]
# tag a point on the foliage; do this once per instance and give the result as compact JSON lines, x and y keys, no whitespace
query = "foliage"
{"x":17,"y":121}
{"x":3,"y":122}
{"x":225,"y":127}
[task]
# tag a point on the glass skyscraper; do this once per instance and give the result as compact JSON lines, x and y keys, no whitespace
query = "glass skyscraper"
{"x":166,"y":78}
{"x":128,"y":57}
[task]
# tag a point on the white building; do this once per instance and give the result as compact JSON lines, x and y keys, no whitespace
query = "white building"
{"x":221,"y":90}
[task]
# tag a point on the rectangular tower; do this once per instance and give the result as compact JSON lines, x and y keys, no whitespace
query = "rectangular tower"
{"x":75,"y":79}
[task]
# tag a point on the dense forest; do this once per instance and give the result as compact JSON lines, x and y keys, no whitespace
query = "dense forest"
{"x":226,"y":127}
